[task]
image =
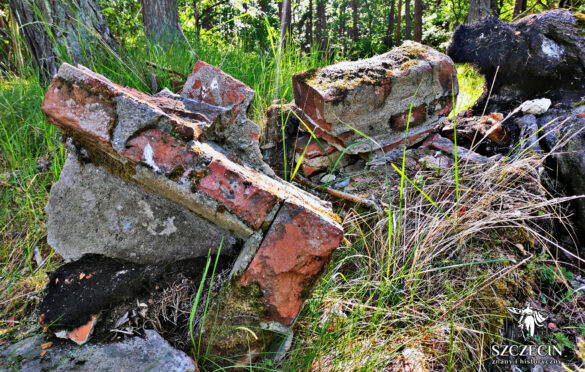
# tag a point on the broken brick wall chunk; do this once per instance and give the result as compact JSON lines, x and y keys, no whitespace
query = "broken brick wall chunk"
{"x":348,"y":101}
{"x":182,"y":148}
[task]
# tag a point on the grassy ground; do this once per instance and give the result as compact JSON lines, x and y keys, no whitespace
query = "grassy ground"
{"x":415,"y":284}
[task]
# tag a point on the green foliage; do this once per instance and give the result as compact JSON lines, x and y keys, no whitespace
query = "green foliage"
{"x":563,"y":342}
{"x":471,"y":86}
{"x":124,"y":18}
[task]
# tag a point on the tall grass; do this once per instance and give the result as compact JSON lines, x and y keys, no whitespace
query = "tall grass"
{"x":445,"y":297}
{"x":31,"y":158}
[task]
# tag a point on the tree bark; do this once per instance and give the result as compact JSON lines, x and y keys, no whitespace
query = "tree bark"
{"x":310,"y":25}
{"x":407,"y":21}
{"x":78,"y":25}
{"x":161,"y":22}
{"x":321,"y":25}
{"x":355,"y":27}
{"x":390,"y":28}
{"x":342,"y":7}
{"x":285,"y":21}
{"x":477,"y":10}
{"x":418,"y":10}
{"x":519,"y":7}
{"x":397,"y":36}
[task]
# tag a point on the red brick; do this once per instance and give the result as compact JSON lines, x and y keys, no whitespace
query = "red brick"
{"x":70,"y":107}
{"x":310,"y":102}
{"x":296,"y":247}
{"x":418,"y":116}
{"x":313,"y":150}
{"x":167,"y":152}
{"x":238,"y":190}
{"x":209,"y":84}
{"x":310,"y":171}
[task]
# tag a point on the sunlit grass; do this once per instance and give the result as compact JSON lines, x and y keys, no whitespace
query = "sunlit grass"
{"x":471,"y":85}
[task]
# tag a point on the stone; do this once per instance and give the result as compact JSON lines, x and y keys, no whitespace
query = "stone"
{"x":328,"y":178}
{"x":528,"y":132}
{"x":536,"y":106}
{"x":150,"y":352}
{"x":92,"y":211}
{"x":538,"y":56}
{"x":562,"y":132}
{"x":373,"y":97}
{"x":445,"y":145}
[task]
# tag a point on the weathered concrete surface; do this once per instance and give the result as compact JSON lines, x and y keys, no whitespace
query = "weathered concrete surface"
{"x":542,"y":55}
{"x":92,"y":211}
{"x":133,"y":354}
{"x":374,"y":95}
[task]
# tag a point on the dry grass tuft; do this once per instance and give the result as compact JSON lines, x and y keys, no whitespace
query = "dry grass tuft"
{"x":453,"y":267}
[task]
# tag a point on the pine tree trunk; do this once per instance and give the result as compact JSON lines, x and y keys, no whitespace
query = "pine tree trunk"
{"x":418,"y":20}
{"x":342,"y":7}
{"x":477,"y":10}
{"x":519,"y":7}
{"x":321,"y":25}
{"x":310,"y":25}
{"x":407,"y":21}
{"x":355,"y":29}
{"x":397,"y":37}
{"x":390,"y":28}
{"x":161,"y":22}
{"x":78,"y":25}
{"x":285,"y":21}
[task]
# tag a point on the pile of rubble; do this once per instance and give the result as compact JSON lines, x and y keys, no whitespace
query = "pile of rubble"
{"x":353,"y":110}
{"x":155,"y":184}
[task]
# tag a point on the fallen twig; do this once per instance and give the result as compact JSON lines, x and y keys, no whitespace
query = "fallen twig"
{"x":171,"y":71}
{"x":340,"y":194}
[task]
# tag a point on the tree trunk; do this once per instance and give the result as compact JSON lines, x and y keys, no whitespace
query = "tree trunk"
{"x":310,"y":25}
{"x":398,"y":22}
{"x":342,"y":7}
{"x":477,"y":10}
{"x":390,"y":28}
{"x":418,"y":10}
{"x":355,"y":29}
{"x":264,"y":6}
{"x":78,"y":25}
{"x":321,"y":25}
{"x":285,"y":21}
{"x":407,"y":21}
{"x":161,"y":22}
{"x":519,"y":7}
